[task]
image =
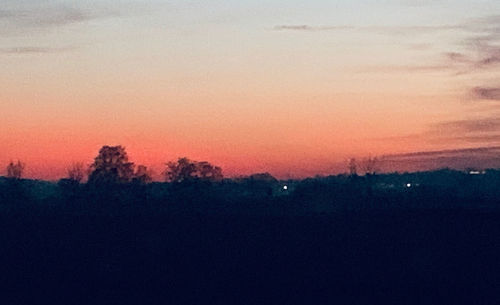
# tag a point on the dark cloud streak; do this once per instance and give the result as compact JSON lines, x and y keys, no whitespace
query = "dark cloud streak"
{"x":29,"y":19}
{"x":461,"y":159}
{"x":483,"y":93}
{"x":467,"y":126}
{"x":33,"y":50}
{"x":447,"y":152}
{"x":26,"y":19}
{"x":378,"y":29}
{"x":307,"y":28}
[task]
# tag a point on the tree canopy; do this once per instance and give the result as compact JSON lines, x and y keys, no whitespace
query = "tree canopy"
{"x":185,"y":170}
{"x":15,"y":169}
{"x":111,"y":166}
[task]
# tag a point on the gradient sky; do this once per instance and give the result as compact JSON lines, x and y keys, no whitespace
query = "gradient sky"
{"x":290,"y":87}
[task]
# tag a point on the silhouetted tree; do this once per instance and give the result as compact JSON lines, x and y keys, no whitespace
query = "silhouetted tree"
{"x":353,"y":167}
{"x":15,"y":170}
{"x":261,"y":183}
{"x":111,"y":166}
{"x":209,"y":172}
{"x":180,"y":171}
{"x":370,"y":165}
{"x":263,"y":177}
{"x":142,"y":175}
{"x":185,"y":170}
{"x":76,"y":172}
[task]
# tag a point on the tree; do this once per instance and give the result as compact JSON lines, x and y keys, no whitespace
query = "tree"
{"x":76,"y":172}
{"x":263,"y":177}
{"x":353,"y":167}
{"x":209,"y":172}
{"x":142,"y":175}
{"x":185,"y":170}
{"x":111,"y":166}
{"x":370,"y":165}
{"x":262,"y":183}
{"x":15,"y":170}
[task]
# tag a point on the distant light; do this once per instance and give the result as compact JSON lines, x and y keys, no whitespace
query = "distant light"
{"x":475,"y":173}
{"x":285,"y":187}
{"x":408,"y":185}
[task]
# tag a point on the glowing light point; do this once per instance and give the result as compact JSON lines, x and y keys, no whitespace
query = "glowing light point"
{"x":285,"y":187}
{"x":408,"y":185}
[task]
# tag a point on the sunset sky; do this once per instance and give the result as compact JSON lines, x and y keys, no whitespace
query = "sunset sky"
{"x":290,"y":87}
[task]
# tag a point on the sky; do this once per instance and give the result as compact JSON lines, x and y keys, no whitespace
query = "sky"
{"x":294,"y":88}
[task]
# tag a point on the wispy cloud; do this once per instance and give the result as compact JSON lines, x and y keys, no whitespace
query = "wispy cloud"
{"x":59,"y":16}
{"x":483,"y":130}
{"x":463,"y":127}
{"x":28,"y":17}
{"x":32,"y":18}
{"x":309,"y":28}
{"x":478,"y":58}
{"x":475,"y":51}
{"x":478,"y":157}
{"x":457,"y":57}
{"x":486,"y":93}
{"x":477,"y":138}
{"x":448,"y":152}
{"x":491,"y":21}
{"x":491,"y":57}
{"x":480,"y":49}
{"x":396,"y":29}
{"x":406,"y":68}
{"x":488,"y":27}
{"x":44,"y":17}
{"x":33,"y":50}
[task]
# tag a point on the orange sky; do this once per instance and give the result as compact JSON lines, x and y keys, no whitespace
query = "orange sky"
{"x":286,"y":87}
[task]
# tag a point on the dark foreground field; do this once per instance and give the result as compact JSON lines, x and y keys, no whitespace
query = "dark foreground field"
{"x":425,"y":257}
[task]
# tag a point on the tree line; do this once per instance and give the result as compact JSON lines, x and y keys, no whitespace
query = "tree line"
{"x":112,"y":166}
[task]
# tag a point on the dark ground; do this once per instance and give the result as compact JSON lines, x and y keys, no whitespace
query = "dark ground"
{"x":397,"y":257}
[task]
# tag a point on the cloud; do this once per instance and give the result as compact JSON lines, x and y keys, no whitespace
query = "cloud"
{"x":26,"y":18}
{"x":378,"y":29}
{"x":476,"y":50}
{"x":486,"y":93}
{"x":478,"y":157}
{"x":44,"y":17}
{"x":489,"y":138}
{"x":33,"y":50}
{"x":484,"y":130}
{"x":452,"y":62}
{"x":308,"y":28}
{"x":482,"y":46}
{"x":448,"y":152}
{"x":491,"y":57}
{"x":405,"y":68}
{"x":457,"y":57}
{"x":467,"y":126}
{"x":480,"y":54}
{"x":491,"y":22}
{"x":293,"y":28}
{"x":31,"y":18}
